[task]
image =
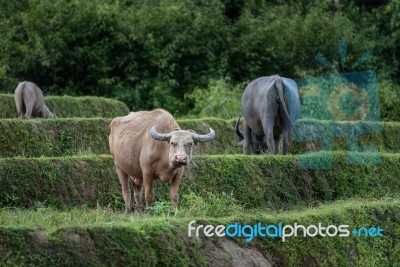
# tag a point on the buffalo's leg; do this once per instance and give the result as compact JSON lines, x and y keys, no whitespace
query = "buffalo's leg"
{"x":285,"y":147}
{"x":22,"y":111}
{"x":268,"y":127}
{"x":126,"y":191}
{"x":246,"y":138}
{"x":137,"y":193}
{"x":277,"y":140}
{"x":148,"y":190}
{"x":286,"y":132}
{"x":29,"y":104}
{"x":268,"y":123}
{"x":174,"y":192}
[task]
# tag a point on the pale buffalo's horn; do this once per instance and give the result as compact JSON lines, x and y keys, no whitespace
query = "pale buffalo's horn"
{"x":159,"y":136}
{"x":205,"y":137}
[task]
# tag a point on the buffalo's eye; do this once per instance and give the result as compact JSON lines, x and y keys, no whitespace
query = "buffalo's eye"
{"x":173,"y":143}
{"x":190,"y":144}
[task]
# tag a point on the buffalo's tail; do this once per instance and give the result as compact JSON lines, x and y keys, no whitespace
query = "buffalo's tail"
{"x":238,"y":131}
{"x":279,"y":87}
{"x":19,"y":102}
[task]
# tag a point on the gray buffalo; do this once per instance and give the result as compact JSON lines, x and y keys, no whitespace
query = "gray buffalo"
{"x":270,"y":107}
{"x":30,"y":102}
{"x":258,"y":144}
{"x":149,"y":145}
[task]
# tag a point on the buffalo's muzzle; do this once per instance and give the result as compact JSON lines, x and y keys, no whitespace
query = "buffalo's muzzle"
{"x":181,"y":159}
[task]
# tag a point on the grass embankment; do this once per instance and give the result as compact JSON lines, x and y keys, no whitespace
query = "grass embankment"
{"x":55,"y":137}
{"x":68,"y":106}
{"x":271,"y":182}
{"x":77,"y":136}
{"x":62,"y":137}
{"x":87,"y":237}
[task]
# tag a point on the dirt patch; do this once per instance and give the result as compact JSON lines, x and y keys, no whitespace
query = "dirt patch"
{"x":39,"y":237}
{"x":227,"y":253}
{"x":81,"y":243}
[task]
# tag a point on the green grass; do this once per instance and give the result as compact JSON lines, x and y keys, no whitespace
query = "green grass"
{"x":50,"y":219}
{"x":93,"y":237}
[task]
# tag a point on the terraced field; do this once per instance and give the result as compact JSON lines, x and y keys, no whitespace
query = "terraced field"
{"x":60,"y":200}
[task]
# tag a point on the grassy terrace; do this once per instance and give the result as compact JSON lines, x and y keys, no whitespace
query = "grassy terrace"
{"x":77,"y":136}
{"x":273,"y":182}
{"x":72,"y":136}
{"x":46,"y":236}
{"x":68,"y":106}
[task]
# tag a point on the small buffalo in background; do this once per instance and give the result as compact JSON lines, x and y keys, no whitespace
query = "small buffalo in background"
{"x":30,"y":101}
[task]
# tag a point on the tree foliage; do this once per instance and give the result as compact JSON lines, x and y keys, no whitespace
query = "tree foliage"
{"x":151,"y":53}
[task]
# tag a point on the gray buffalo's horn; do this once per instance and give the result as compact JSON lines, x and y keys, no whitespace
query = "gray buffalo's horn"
{"x":204,"y":138}
{"x":159,"y":136}
{"x":238,"y":131}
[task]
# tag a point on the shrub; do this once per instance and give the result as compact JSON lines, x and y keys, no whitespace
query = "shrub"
{"x":389,"y":97}
{"x":220,"y":99}
{"x":151,"y":53}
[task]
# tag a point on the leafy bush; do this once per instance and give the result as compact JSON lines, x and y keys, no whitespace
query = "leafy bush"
{"x":389,"y":97}
{"x":151,"y":53}
{"x":220,"y":99}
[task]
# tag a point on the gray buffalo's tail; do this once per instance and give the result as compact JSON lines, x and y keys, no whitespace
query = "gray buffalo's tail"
{"x":19,"y":98}
{"x":279,"y":87}
{"x":238,"y":131}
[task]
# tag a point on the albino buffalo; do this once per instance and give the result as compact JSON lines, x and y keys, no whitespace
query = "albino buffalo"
{"x":30,"y":102}
{"x":149,"y":145}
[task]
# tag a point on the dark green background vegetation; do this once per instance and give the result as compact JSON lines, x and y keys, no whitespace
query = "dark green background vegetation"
{"x":152,"y":53}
